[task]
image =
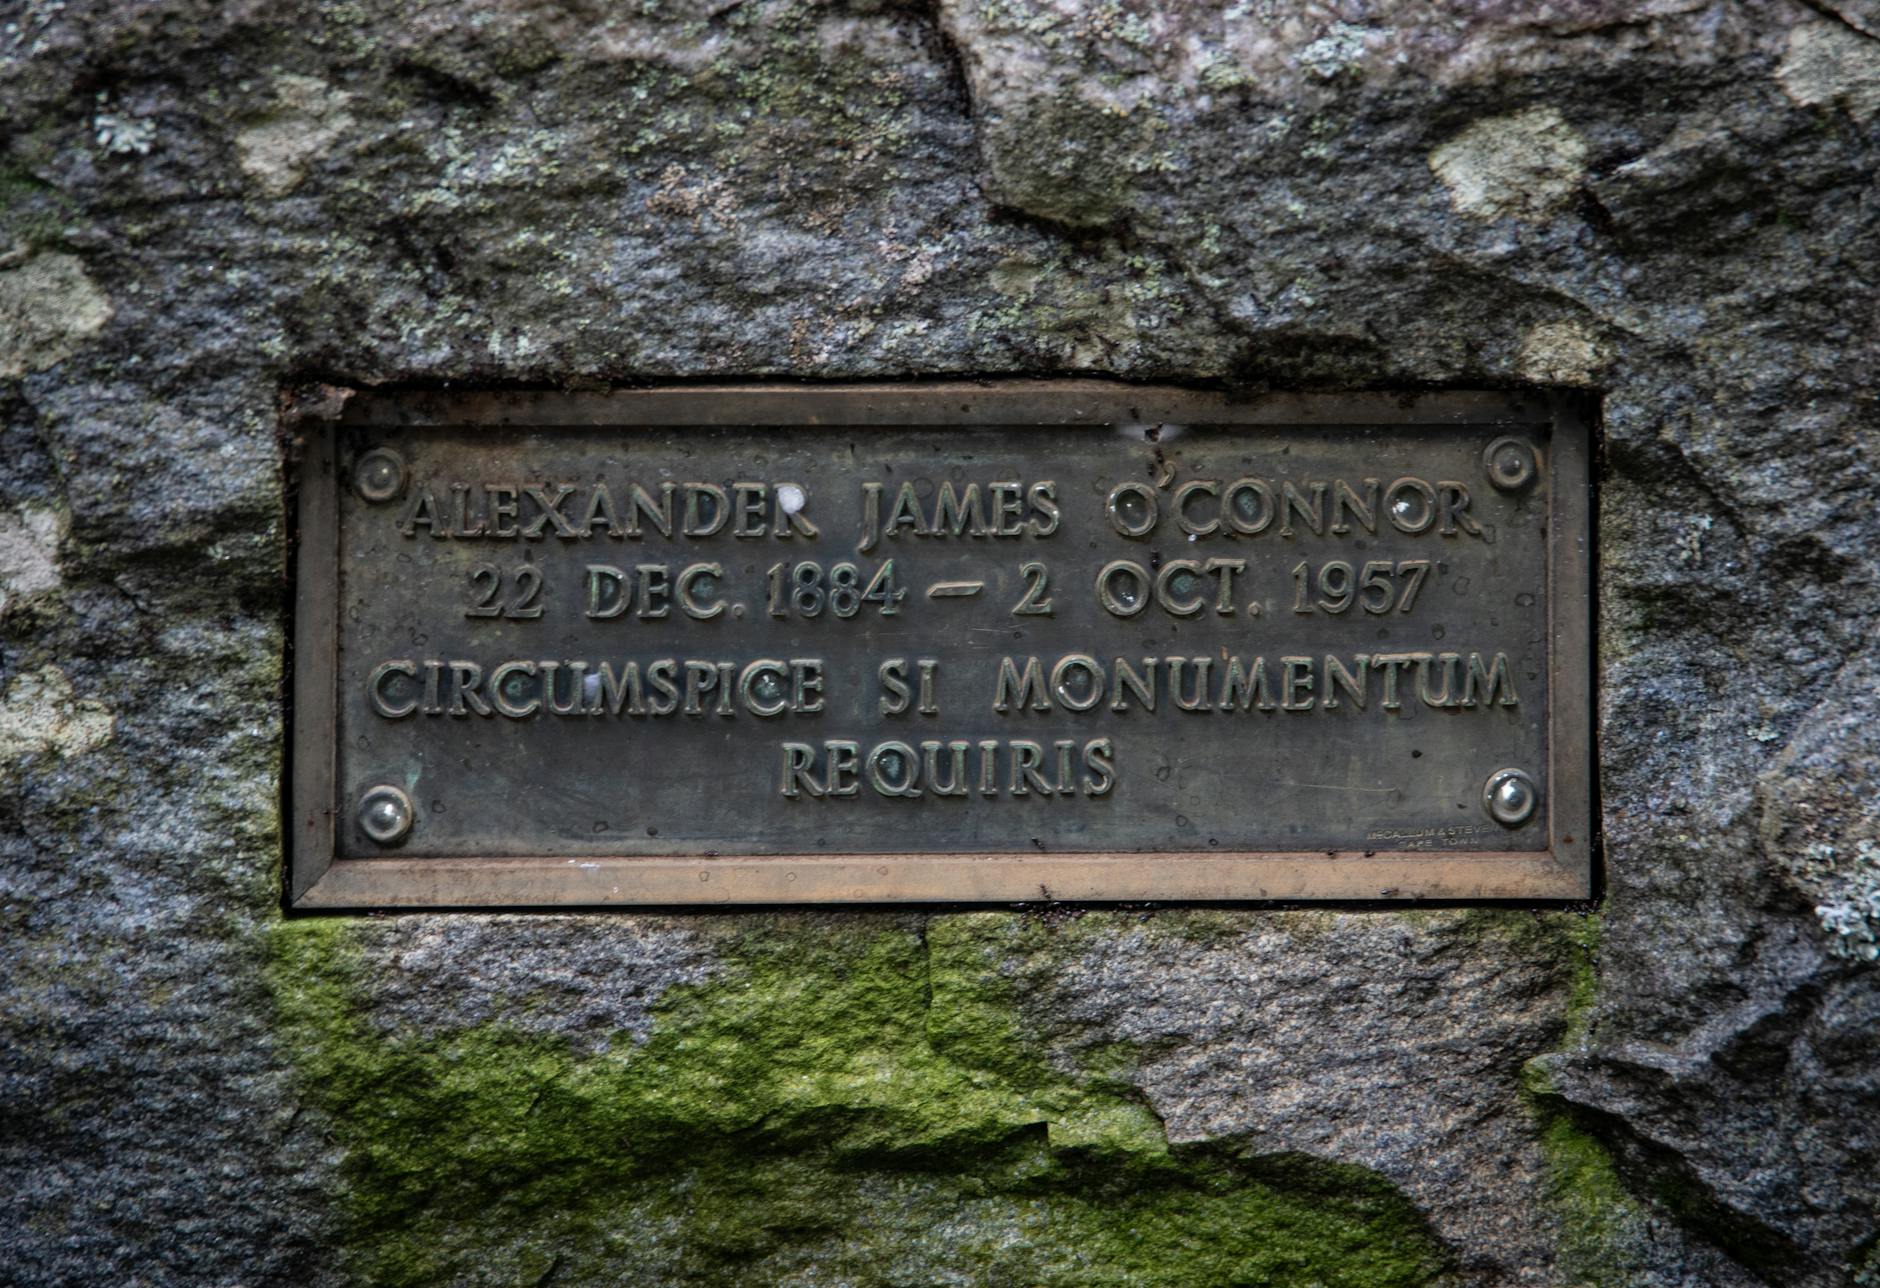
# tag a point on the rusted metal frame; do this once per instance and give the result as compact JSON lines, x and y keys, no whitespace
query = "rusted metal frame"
{"x":1571,"y":730}
{"x":940,"y":878}
{"x":316,"y":657}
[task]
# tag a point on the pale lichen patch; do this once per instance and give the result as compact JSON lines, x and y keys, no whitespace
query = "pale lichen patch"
{"x":1339,"y":50}
{"x":309,"y":117}
{"x":39,"y":713}
{"x":1850,"y":908}
{"x":1525,"y":166}
{"x":1563,"y":353}
{"x":122,"y":134}
{"x":29,"y":551}
{"x":1828,"y":64}
{"x":48,"y":307}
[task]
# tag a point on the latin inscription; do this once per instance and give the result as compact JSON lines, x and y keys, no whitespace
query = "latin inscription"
{"x":698,"y":517}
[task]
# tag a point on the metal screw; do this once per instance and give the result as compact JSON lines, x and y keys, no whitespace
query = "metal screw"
{"x":380,"y":474}
{"x":1510,"y":797}
{"x":386,"y":815}
{"x":1510,"y":463}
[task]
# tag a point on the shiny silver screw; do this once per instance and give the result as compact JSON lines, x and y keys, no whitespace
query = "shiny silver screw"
{"x":380,"y":474}
{"x":386,"y":815}
{"x":1510,"y":463}
{"x":1510,"y":797}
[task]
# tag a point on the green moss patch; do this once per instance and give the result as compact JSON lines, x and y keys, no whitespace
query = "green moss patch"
{"x":1599,"y":1218}
{"x":842,"y":1103}
{"x":1602,"y":1223}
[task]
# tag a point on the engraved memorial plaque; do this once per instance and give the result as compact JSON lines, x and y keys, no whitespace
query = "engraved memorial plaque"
{"x":1021,"y":641}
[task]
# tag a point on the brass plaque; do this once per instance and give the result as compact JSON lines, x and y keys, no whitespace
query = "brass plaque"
{"x":1021,"y":641}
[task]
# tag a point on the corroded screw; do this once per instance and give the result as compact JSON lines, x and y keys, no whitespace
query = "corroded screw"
{"x":386,"y":815}
{"x":380,"y":474}
{"x":1510,"y":797}
{"x":1510,"y":464}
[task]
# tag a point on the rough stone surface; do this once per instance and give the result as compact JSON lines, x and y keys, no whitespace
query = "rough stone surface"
{"x":29,"y":552}
{"x":309,"y":116}
{"x":47,"y":308}
{"x":1524,"y":166}
{"x":212,"y":214}
{"x":1829,"y":64}
{"x":38,"y":715}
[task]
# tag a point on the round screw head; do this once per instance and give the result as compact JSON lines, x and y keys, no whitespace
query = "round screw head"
{"x":386,"y":815}
{"x":1510,"y":464}
{"x":1510,"y":796}
{"x":380,"y":474}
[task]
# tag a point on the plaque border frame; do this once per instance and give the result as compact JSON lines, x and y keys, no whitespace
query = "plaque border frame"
{"x":1564,"y":872}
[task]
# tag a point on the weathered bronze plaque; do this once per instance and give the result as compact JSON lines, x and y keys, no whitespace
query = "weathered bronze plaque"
{"x":952,"y":642}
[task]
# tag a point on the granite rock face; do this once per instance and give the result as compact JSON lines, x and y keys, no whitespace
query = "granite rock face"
{"x":213,"y":216}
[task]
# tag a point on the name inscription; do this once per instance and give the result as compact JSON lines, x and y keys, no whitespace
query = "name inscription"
{"x":1083,"y":632}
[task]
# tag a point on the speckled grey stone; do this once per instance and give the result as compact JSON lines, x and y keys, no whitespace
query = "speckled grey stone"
{"x":540,"y":974}
{"x":208,"y":208}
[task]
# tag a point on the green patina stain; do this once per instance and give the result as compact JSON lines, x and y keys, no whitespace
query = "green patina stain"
{"x":841,"y":1103}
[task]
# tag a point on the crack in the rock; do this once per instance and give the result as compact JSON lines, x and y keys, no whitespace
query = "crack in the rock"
{"x":1825,"y":10}
{"x":952,"y":58}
